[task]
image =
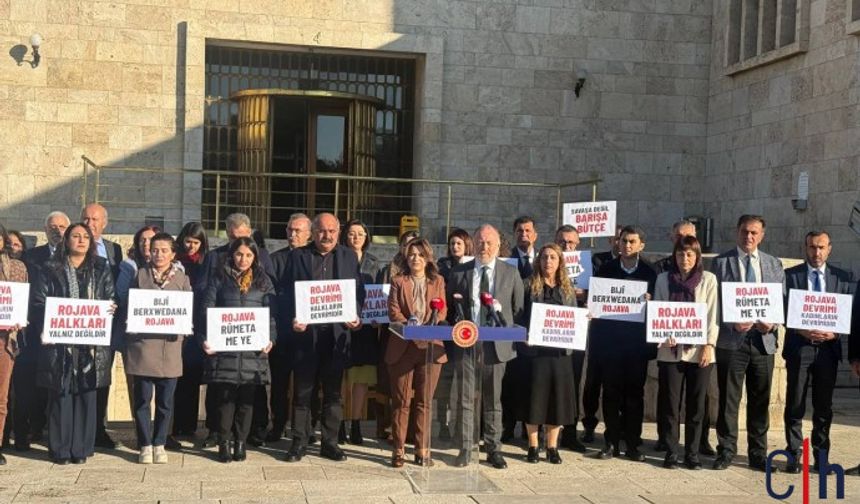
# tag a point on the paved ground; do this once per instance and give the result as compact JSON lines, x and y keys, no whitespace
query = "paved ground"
{"x":194,"y":476}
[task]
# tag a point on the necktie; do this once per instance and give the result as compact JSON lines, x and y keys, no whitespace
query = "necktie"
{"x":750,"y":276}
{"x":816,"y":281}
{"x":484,"y":287}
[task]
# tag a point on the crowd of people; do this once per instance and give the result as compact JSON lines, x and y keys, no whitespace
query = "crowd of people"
{"x":297,"y":380}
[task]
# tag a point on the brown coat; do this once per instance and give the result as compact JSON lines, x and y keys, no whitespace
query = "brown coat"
{"x":400,"y":309}
{"x":155,"y":355}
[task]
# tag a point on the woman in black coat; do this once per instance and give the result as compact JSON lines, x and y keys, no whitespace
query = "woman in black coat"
{"x":234,"y":376}
{"x":72,"y":373}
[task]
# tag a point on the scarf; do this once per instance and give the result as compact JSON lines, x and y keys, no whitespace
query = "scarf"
{"x":195,"y":258}
{"x":80,"y":361}
{"x":683,"y":291}
{"x":5,"y":266}
{"x":11,"y":336}
{"x":162,"y":279}
{"x":243,"y":279}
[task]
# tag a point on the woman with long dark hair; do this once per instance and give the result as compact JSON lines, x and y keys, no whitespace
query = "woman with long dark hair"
{"x":73,"y":373}
{"x":234,"y":376}
{"x":11,"y":270}
{"x":686,"y":366}
{"x":552,"y":396}
{"x":17,"y":244}
{"x":459,"y":246}
{"x":192,"y":246}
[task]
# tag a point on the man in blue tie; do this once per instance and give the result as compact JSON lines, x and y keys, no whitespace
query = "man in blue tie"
{"x":812,"y":357}
{"x":745,"y":352}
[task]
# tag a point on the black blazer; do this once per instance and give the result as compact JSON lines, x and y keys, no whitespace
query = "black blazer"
{"x":837,"y":281}
{"x":599,"y":259}
{"x":114,"y":256}
{"x":300,"y":268}
{"x":525,"y":268}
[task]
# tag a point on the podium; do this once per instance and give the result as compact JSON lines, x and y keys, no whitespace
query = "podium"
{"x":464,"y":344}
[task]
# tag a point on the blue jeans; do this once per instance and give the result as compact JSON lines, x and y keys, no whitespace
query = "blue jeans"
{"x":144,"y":387}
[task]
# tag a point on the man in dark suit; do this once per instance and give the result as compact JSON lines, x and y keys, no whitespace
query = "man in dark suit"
{"x":95,"y":217}
{"x":854,"y":351}
{"x":591,"y":387}
{"x":486,"y":273}
{"x":745,"y":351}
{"x":619,"y":345}
{"x":812,"y":356}
{"x":320,"y":350}
{"x":517,"y":371}
{"x":298,"y":234}
{"x":31,"y":402}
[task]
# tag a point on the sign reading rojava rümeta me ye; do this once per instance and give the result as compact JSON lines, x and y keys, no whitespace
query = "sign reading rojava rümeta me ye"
{"x":593,"y":218}
{"x":325,"y":301}
{"x":819,"y":311}
{"x":14,"y":301}
{"x":77,"y":322}
{"x":237,"y":329}
{"x":752,"y":302}
{"x":558,"y":326}
{"x":153,"y":311}
{"x":686,"y":323}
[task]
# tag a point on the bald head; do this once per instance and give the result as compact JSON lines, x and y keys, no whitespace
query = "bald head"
{"x":95,"y":217}
{"x":486,"y":241}
{"x":325,"y":231}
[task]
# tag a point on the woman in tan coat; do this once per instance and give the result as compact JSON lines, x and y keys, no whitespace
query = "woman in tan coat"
{"x":11,"y":270}
{"x":155,"y":360}
{"x":413,"y":291}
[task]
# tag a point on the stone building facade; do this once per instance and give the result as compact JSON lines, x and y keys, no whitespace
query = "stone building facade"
{"x":667,"y":118}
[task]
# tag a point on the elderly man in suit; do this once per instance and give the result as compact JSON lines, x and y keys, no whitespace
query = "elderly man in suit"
{"x":31,"y":402}
{"x":485,"y":273}
{"x":95,"y":217}
{"x":745,"y":351}
{"x":320,"y":351}
{"x":812,"y":356}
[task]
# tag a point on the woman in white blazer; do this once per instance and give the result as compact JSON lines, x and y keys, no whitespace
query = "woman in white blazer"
{"x":686,"y":366}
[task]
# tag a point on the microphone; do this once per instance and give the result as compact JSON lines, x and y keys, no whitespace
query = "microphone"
{"x":458,"y":301}
{"x":487,"y":300}
{"x":436,"y":305}
{"x":497,"y":308}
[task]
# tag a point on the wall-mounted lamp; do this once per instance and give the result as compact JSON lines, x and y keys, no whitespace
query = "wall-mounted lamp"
{"x":801,"y":202}
{"x":580,"y":81}
{"x":35,"y":42}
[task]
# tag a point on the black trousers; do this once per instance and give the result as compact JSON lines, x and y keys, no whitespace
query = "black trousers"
{"x":622,"y":375}
{"x":818,"y":365}
{"x":749,"y":365}
{"x":260,"y":420}
{"x":329,"y":371}
{"x":71,"y":424}
{"x":102,"y":396}
{"x":675,"y":377}
{"x":279,"y":401}
{"x":568,"y":434}
{"x":187,"y":396}
{"x":515,"y":388}
{"x":31,"y":402}
{"x":591,"y":393}
{"x":235,"y":409}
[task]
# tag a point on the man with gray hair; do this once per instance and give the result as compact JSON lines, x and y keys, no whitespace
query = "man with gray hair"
{"x":30,"y":401}
{"x":485,"y":274}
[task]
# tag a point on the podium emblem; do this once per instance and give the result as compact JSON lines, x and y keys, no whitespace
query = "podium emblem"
{"x":465,"y":333}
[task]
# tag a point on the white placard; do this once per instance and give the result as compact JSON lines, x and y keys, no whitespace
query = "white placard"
{"x":14,"y":302}
{"x":237,"y":329}
{"x":513,"y":261}
{"x":819,"y":311}
{"x":687,"y":323}
{"x":77,"y":322}
{"x":375,"y":307}
{"x":152,"y":311}
{"x":558,"y":326}
{"x":745,"y":302}
{"x":325,"y":301}
{"x":592,"y":218}
{"x":613,"y":299}
{"x":579,"y":267}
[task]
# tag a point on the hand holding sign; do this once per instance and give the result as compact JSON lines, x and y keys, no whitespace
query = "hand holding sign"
{"x":750,"y":305}
{"x":326,"y":302}
{"x":237,"y":330}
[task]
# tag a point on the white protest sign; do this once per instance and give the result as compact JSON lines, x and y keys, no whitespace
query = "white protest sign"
{"x":237,"y":329}
{"x":14,"y":302}
{"x":77,"y":322}
{"x":375,"y":307}
{"x":325,"y":301}
{"x":152,"y":311}
{"x":819,"y":311}
{"x":613,"y":299}
{"x":687,"y":323}
{"x":513,"y":261}
{"x":578,"y":265}
{"x":592,"y":218}
{"x":752,"y":302}
{"x":558,"y":326}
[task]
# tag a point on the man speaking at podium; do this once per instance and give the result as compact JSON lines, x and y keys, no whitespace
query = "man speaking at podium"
{"x":500,"y":281}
